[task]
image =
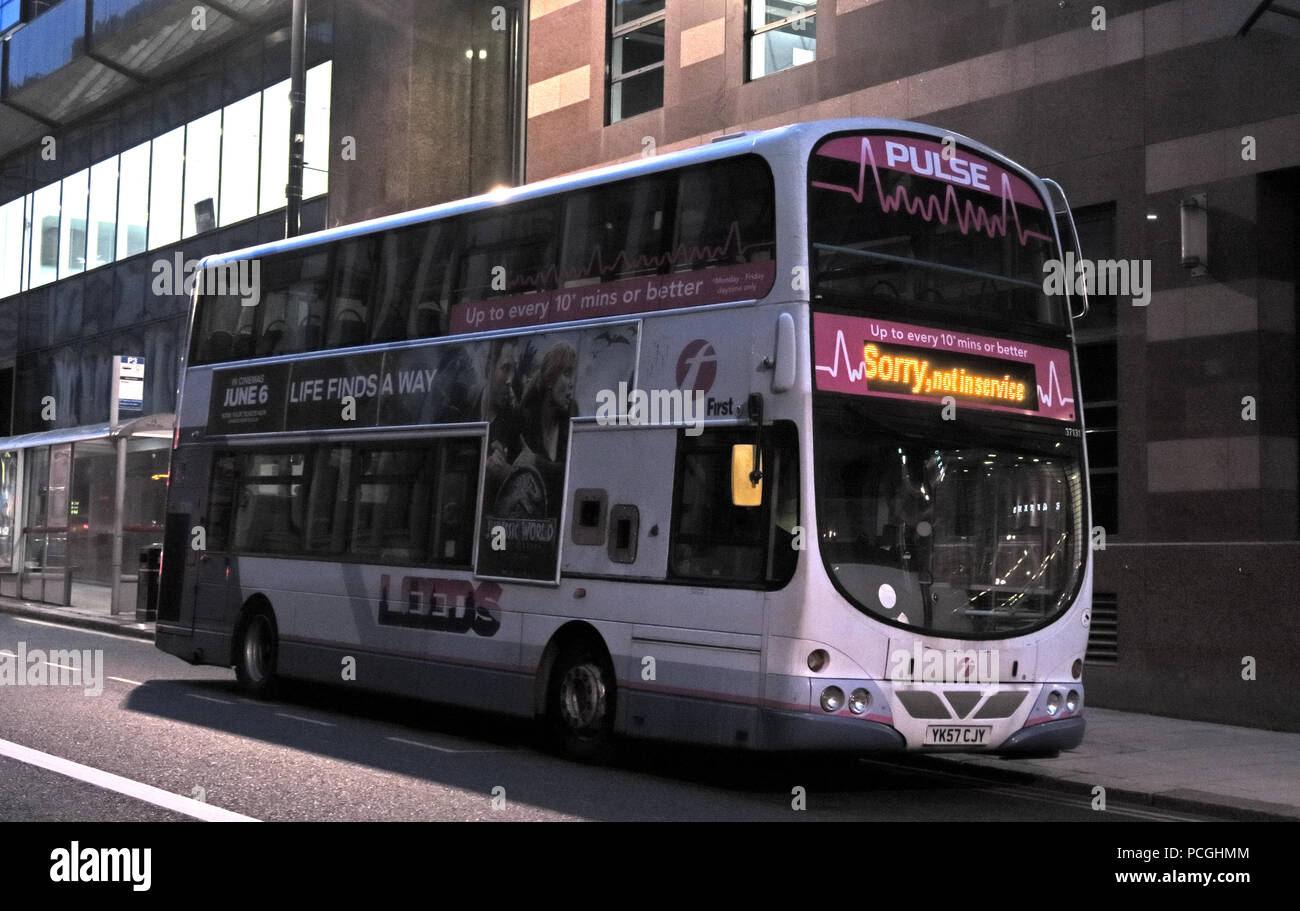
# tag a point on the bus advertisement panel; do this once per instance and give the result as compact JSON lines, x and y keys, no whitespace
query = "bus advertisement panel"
{"x":526,"y":388}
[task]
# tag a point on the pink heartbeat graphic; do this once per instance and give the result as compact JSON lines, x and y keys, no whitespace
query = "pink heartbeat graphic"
{"x":842,"y":348}
{"x":968,"y":216}
{"x":553,"y":276}
{"x":1054,"y":392}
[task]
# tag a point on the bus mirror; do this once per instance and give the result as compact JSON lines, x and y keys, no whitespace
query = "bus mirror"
{"x":746,"y":478}
{"x":1069,"y":242}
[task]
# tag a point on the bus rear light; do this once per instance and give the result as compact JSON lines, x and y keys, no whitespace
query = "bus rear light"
{"x":859,"y":699}
{"x":832,"y":699}
{"x":818,"y":659}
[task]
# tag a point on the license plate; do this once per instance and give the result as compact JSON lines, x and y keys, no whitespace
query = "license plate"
{"x":957,"y":735}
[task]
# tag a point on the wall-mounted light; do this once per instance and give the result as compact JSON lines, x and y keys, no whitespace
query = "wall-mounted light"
{"x":1194,"y":216}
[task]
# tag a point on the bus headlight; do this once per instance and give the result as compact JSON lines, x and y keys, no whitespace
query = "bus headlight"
{"x":1054,"y":703}
{"x":832,"y":699}
{"x":859,"y":699}
{"x":1072,"y":700}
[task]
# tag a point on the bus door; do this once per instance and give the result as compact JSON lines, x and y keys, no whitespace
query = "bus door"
{"x":209,"y":566}
{"x":651,"y":505}
{"x":185,"y":490}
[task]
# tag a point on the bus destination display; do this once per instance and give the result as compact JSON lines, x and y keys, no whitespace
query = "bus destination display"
{"x":876,"y":357}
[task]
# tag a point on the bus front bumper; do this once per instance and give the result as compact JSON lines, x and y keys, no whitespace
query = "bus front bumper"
{"x":808,"y":731}
{"x":1049,"y":737}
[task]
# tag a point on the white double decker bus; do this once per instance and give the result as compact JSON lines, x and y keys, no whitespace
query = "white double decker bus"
{"x":774,"y":443}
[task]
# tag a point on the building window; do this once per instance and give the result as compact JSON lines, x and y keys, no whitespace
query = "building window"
{"x":133,"y":201}
{"x":226,"y":166}
{"x":782,"y":34}
{"x":9,"y":13}
{"x":1095,"y":336}
{"x":635,"y":68}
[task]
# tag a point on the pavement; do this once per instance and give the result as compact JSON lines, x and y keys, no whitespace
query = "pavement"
{"x":1165,"y":763}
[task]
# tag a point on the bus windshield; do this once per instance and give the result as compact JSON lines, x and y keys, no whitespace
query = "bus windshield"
{"x":980,"y":536}
{"x":919,"y":228}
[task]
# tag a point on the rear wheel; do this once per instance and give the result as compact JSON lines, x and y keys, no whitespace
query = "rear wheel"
{"x":255,"y":654}
{"x":580,"y":705}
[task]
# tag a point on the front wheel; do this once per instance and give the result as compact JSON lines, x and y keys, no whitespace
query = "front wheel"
{"x":580,"y":705}
{"x":255,"y":653}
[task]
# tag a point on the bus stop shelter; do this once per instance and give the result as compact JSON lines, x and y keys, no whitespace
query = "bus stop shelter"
{"x":77,"y":504}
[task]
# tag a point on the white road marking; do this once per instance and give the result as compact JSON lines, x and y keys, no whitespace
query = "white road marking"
{"x":110,"y":782}
{"x":124,"y":680}
{"x":324,"y":724}
{"x":429,"y":746}
{"x":209,"y":699}
{"x":89,"y":632}
{"x":62,"y":667}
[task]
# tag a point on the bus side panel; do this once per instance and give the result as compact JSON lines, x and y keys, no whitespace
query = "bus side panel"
{"x":444,"y":645}
{"x":472,"y":687}
{"x":619,"y":467}
{"x":687,"y":660}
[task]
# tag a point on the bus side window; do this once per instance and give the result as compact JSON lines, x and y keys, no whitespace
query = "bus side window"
{"x":268,"y":507}
{"x":456,"y":503}
{"x":510,"y":251}
{"x":712,"y":539}
{"x":350,"y":297}
{"x":724,"y":215}
{"x":390,"y":306}
{"x":221,"y":501}
{"x":787,"y":529}
{"x":615,"y":232}
{"x":408,"y":295}
{"x":329,"y":499}
{"x":291,"y":306}
{"x":216,"y":333}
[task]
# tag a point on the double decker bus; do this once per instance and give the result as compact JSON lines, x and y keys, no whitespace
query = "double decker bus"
{"x":774,"y":443}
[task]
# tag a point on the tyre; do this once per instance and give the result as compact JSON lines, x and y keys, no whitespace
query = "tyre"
{"x":580,"y":705}
{"x":255,"y":653}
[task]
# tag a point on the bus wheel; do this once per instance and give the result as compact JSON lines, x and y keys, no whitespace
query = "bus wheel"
{"x":255,"y":651}
{"x":580,"y":705}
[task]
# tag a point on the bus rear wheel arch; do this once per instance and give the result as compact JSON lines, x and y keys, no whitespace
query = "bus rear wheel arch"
{"x":580,"y":699}
{"x":256,"y":647}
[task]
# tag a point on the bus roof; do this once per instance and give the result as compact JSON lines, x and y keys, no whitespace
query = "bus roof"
{"x":796,"y":138}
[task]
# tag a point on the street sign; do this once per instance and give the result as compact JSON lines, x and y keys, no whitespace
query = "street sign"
{"x":130,"y":383}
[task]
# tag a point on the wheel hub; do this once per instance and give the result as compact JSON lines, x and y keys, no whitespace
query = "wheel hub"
{"x":582,"y":697}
